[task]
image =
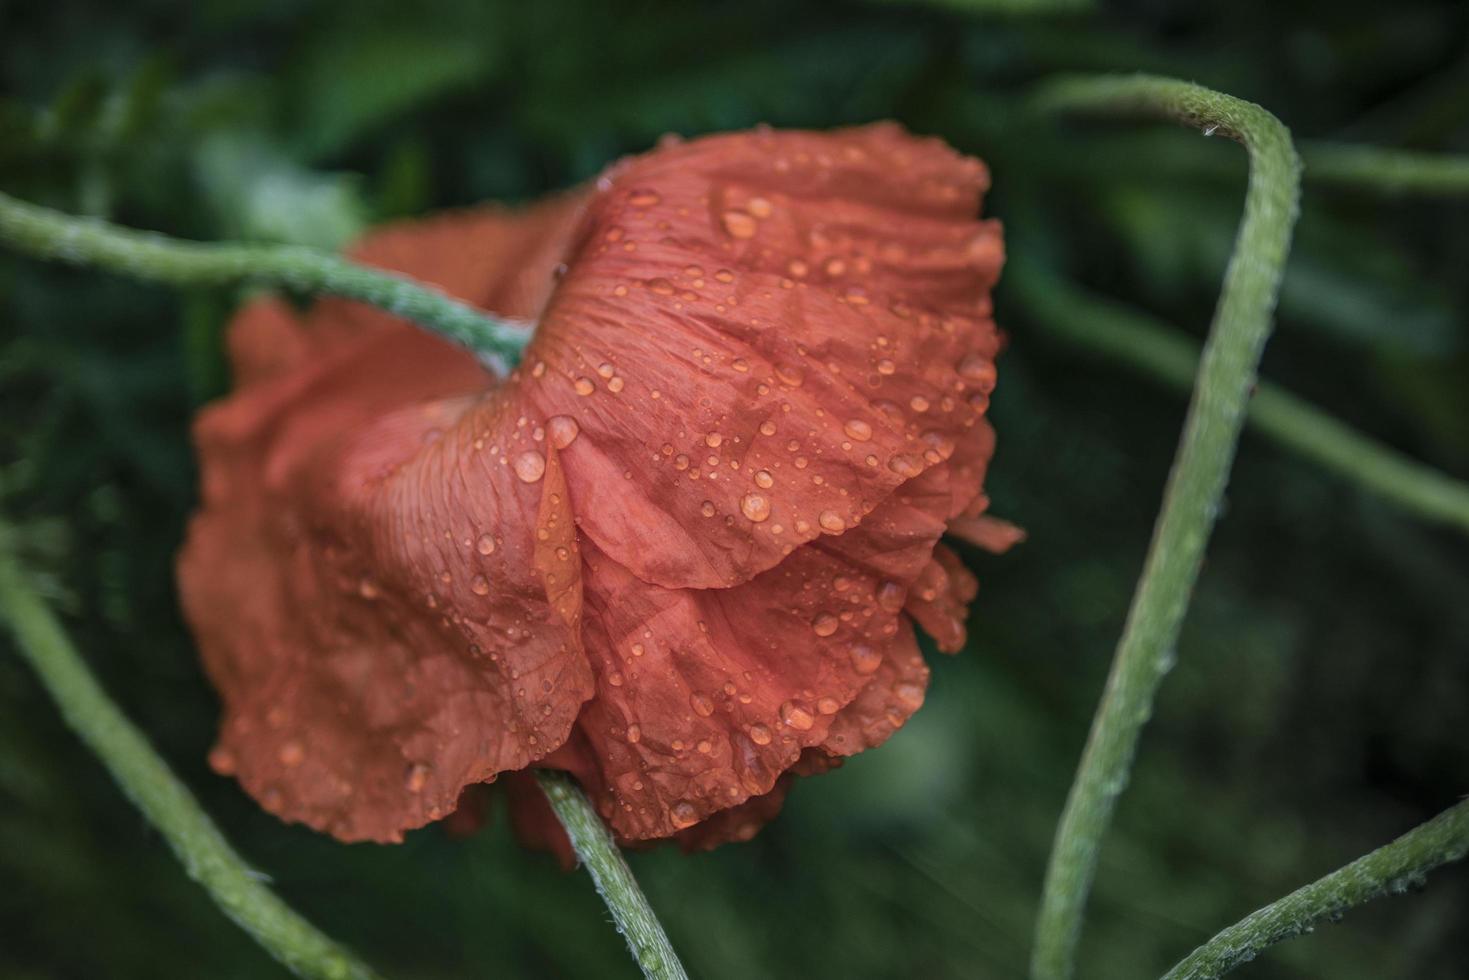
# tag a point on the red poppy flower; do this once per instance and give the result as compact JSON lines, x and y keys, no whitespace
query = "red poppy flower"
{"x":678,"y":553}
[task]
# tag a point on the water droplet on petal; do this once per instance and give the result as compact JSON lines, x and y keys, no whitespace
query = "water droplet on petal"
{"x":682,"y":814}
{"x":764,"y":480}
{"x":755,"y":506}
{"x":702,"y":704}
{"x":759,"y":734}
{"x":416,"y":778}
{"x":643,"y":198}
{"x":584,"y":386}
{"x":865,"y":660}
{"x":738,"y":224}
{"x":942,"y":443}
{"x":825,"y":624}
{"x":563,"y":431}
{"x":906,"y":465}
{"x":759,"y":207}
{"x":979,"y":369}
{"x":910,"y":694}
{"x":634,"y":733}
{"x":830,"y":520}
{"x":890,"y":596}
{"x":790,"y":375}
{"x":793,"y":715}
{"x":858,"y":430}
{"x":530,"y":466}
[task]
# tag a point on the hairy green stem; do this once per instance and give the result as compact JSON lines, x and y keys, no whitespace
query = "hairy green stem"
{"x":1132,"y":337}
{"x":146,"y":779}
{"x":1392,"y":869}
{"x":619,"y":889}
{"x":48,"y":234}
{"x":1211,"y":432}
{"x":1390,"y":171}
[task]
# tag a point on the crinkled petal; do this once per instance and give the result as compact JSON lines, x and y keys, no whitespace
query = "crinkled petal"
{"x":898,"y":680}
{"x":758,"y":391}
{"x":939,"y":599}
{"x":738,"y":823}
{"x":706,"y":696}
{"x":993,"y":534}
{"x":383,"y":577}
{"x":761,"y":336}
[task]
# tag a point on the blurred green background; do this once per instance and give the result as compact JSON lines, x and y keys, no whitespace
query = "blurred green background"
{"x":1321,"y":701}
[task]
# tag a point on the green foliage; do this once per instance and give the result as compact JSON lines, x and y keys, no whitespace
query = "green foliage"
{"x":1317,"y":706}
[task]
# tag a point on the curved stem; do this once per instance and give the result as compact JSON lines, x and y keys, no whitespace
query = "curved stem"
{"x":1099,"y":324}
{"x":48,"y":234}
{"x":1390,"y":171}
{"x":1393,"y":869}
{"x":146,"y":779}
{"x":619,"y":889}
{"x":1237,"y":337}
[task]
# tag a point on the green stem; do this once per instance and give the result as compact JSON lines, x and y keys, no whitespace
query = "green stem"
{"x":48,"y":234}
{"x":1130,"y":336}
{"x":1387,"y":170}
{"x":146,"y":779}
{"x":1237,"y":337}
{"x":619,"y":889}
{"x":1391,"y":869}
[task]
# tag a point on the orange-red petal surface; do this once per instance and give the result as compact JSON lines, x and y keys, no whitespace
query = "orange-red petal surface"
{"x":387,"y":601}
{"x":678,"y":553}
{"x":761,"y":336}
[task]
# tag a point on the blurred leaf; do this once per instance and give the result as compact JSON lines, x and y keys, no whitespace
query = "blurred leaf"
{"x":260,"y":194}
{"x":360,"y":79}
{"x":1338,"y":280}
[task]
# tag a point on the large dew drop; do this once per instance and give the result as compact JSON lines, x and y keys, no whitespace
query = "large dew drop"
{"x":530,"y":466}
{"x":755,"y":506}
{"x":563,"y":431}
{"x":738,"y":224}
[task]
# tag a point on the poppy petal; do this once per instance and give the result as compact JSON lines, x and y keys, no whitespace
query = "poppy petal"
{"x":762,"y":335}
{"x":383,"y":576}
{"x":706,"y":696}
{"x":993,"y":534}
{"x":939,"y":599}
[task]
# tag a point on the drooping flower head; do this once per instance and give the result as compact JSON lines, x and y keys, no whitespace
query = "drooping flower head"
{"x":678,"y":553}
